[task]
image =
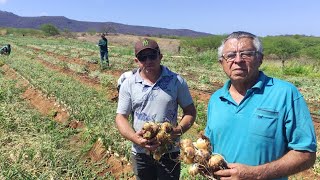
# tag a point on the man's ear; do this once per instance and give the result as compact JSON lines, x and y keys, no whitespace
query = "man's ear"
{"x":261,"y":58}
{"x":160,"y":56}
{"x":136,"y":60}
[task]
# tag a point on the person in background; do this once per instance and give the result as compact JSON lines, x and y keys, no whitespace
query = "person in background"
{"x":124,"y":76}
{"x":153,"y":94}
{"x":103,"y":44}
{"x":261,"y":125}
{"x":5,"y":50}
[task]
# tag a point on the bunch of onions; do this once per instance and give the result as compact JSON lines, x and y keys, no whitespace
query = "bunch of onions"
{"x":162,"y":132}
{"x":200,"y":156}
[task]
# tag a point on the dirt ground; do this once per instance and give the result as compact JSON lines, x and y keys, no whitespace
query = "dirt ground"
{"x":167,"y":45}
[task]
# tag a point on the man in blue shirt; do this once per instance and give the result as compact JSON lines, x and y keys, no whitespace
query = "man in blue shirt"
{"x":261,"y":125}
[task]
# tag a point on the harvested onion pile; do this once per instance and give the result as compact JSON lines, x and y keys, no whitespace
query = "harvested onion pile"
{"x":162,"y":132}
{"x":198,"y":155}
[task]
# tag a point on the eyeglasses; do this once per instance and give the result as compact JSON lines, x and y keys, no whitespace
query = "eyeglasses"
{"x":231,"y":56}
{"x":143,"y":58}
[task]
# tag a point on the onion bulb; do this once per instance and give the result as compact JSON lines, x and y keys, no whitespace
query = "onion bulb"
{"x":157,"y":156}
{"x":202,"y":156}
{"x":187,"y":160}
{"x":166,"y":127}
{"x":193,"y":170}
{"x":216,"y":161}
{"x":202,"y":144}
{"x":189,"y":152}
{"x":186,"y":143}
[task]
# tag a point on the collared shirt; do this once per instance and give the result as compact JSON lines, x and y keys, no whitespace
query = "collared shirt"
{"x":156,"y":103}
{"x":125,"y":75}
{"x":272,"y":119}
{"x":103,"y":44}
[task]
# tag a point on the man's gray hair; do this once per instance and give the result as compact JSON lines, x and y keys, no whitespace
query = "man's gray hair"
{"x":238,"y":35}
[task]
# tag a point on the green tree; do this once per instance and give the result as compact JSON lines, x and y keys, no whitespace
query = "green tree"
{"x":49,"y":29}
{"x":203,"y":43}
{"x":283,"y":47}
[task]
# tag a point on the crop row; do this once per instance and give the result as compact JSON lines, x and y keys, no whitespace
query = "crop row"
{"x":33,"y":146}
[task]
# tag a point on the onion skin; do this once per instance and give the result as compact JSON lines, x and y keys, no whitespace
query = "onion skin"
{"x":151,"y":129}
{"x":147,"y":135}
{"x":217,"y":162}
{"x":202,"y":156}
{"x":189,"y":152}
{"x":161,"y":136}
{"x":186,"y":143}
{"x":187,"y":160}
{"x":202,"y":144}
{"x":193,"y":170}
{"x":157,"y":156}
{"x":166,"y":127}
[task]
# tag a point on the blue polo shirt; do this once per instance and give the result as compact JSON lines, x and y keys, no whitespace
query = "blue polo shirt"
{"x":272,"y":119}
{"x":153,"y":103}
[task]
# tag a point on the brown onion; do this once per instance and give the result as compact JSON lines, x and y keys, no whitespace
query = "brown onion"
{"x":193,"y":170}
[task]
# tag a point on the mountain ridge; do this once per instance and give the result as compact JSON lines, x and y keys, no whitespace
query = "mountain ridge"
{"x":8,"y":19}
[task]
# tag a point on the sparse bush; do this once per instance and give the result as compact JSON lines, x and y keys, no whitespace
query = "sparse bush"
{"x":202,"y":43}
{"x":21,"y":31}
{"x":295,"y":70}
{"x":49,"y":29}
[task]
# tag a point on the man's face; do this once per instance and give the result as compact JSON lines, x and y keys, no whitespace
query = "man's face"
{"x":149,"y":60}
{"x":244,"y":67}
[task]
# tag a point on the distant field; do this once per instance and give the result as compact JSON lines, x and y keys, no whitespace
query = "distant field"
{"x":57,"y":106}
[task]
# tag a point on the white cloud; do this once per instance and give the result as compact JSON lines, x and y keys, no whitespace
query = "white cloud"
{"x":3,"y":1}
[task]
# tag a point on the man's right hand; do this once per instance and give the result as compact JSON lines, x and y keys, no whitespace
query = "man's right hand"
{"x":149,"y":144}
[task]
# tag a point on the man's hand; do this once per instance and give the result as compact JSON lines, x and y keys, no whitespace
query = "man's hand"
{"x":176,"y":132}
{"x":237,"y":171}
{"x":149,"y":144}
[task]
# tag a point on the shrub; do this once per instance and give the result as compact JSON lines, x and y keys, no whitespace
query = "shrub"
{"x":49,"y":29}
{"x":202,"y":43}
{"x":21,"y":31}
{"x":312,"y":52}
{"x":283,"y":47}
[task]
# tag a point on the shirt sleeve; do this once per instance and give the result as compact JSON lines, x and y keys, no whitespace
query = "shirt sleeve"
{"x":124,"y":101}
{"x":101,"y":43}
{"x":207,"y":130}
{"x":299,"y":127}
{"x":184,"y":96}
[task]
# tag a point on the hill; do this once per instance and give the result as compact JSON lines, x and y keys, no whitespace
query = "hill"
{"x":8,"y":19}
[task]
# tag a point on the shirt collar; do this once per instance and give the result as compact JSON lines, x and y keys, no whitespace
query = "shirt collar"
{"x":261,"y":82}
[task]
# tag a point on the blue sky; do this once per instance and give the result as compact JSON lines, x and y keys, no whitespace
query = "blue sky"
{"x":261,"y":17}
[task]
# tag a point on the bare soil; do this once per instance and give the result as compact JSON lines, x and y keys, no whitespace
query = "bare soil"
{"x":167,"y":45}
